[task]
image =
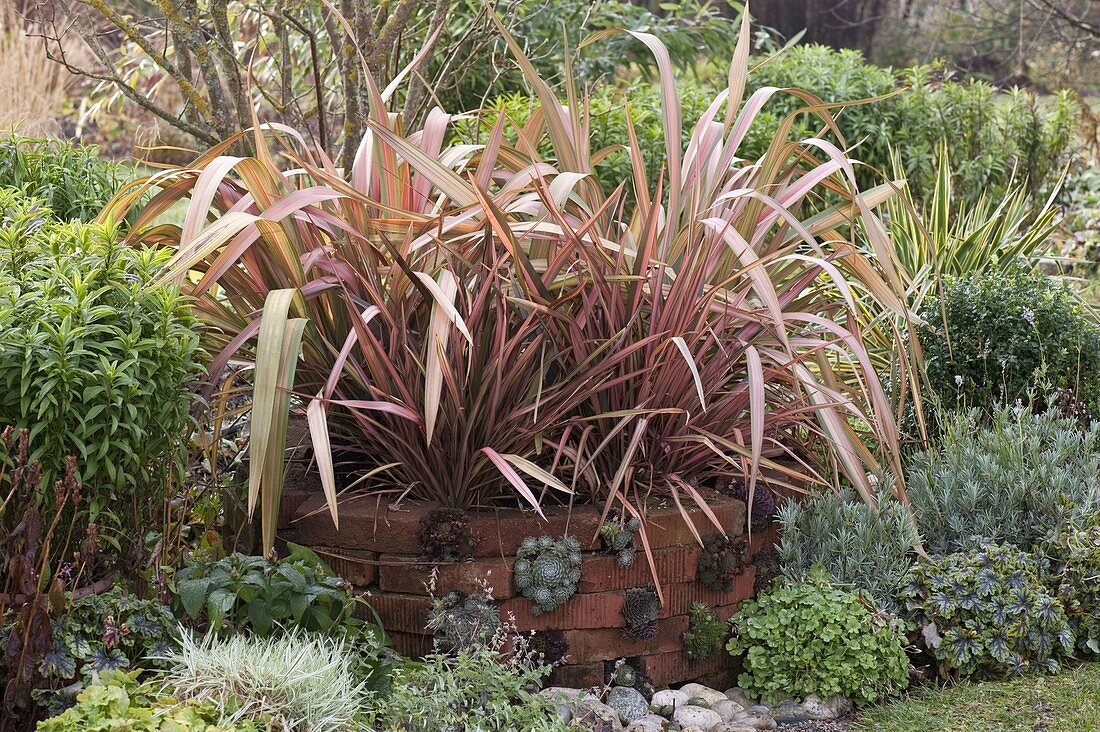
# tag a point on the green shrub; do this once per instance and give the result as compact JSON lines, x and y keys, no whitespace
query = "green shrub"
{"x":444,"y":693}
{"x":992,"y":336}
{"x":1073,"y":576}
{"x":1014,"y":480}
{"x":116,"y":702}
{"x":813,"y":638}
{"x":985,"y":612}
{"x":705,"y":632}
{"x":298,"y":681}
{"x":991,"y":136}
{"x":95,"y":362}
{"x":243,"y":592}
{"x":72,"y":180}
{"x":857,"y":548}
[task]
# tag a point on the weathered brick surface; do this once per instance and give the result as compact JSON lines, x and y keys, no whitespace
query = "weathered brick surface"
{"x":499,"y":533}
{"x":413,"y":645}
{"x":364,"y":525}
{"x":674,"y":667}
{"x":377,"y":548}
{"x":400,"y":613}
{"x":578,"y":676}
{"x":289,"y":504}
{"x":604,"y":610}
{"x":609,"y":643}
{"x":357,"y":567}
{"x":679,"y":597}
{"x":674,"y":564}
{"x":399,"y":573}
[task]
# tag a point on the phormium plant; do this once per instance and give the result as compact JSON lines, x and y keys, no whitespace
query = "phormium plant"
{"x":473,"y":326}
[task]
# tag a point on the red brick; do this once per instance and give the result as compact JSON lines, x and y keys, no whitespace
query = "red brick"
{"x":398,"y":573}
{"x":680,"y":597}
{"x":365,"y":525}
{"x":368,"y":524}
{"x":609,"y":643}
{"x":500,"y":532}
{"x":766,"y":537}
{"x":674,"y":564}
{"x":669,"y":669}
{"x":413,"y":645}
{"x":667,"y":527}
{"x":289,"y":503}
{"x":604,"y":610}
{"x":358,"y":568}
{"x":400,"y":613}
{"x":578,"y":676}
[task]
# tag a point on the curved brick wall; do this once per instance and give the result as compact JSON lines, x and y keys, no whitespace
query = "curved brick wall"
{"x":376,"y":549}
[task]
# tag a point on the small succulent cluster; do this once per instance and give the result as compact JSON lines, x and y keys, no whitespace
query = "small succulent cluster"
{"x":722,"y":560}
{"x":763,"y":501}
{"x":460,"y":621}
{"x":1074,"y":558}
{"x":547,"y":571}
{"x":550,"y":645}
{"x":618,"y":538}
{"x":985,"y":612}
{"x":445,"y":535}
{"x":706,"y":632}
{"x":640,"y":610}
{"x":629,"y":672}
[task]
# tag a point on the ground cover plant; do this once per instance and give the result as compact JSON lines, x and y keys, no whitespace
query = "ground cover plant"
{"x":854,"y":546}
{"x":1063,"y":703}
{"x":812,"y":638}
{"x":1017,"y":479}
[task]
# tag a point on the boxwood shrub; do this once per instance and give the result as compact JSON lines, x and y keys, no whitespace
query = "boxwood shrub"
{"x":998,"y":336}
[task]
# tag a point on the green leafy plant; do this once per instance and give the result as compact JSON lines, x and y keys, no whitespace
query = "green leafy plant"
{"x":813,"y":638}
{"x":641,"y":606}
{"x":445,"y":692}
{"x":722,"y":560}
{"x":460,"y":621}
{"x":992,"y":336}
{"x":858,"y":549}
{"x":617,"y":535}
{"x":706,"y":633}
{"x":1072,"y":575}
{"x":114,"y":630}
{"x":546,"y":572}
{"x":304,"y":682}
{"x":243,"y":592}
{"x":74,"y":181}
{"x":1015,"y":479}
{"x":95,"y":362}
{"x":445,"y":535}
{"x":115,"y":701}
{"x":985,"y":612}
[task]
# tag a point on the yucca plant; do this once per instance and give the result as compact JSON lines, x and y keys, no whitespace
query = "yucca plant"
{"x":944,"y":237}
{"x":477,"y":325}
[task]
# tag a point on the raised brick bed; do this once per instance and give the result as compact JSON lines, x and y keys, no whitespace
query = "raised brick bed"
{"x":376,"y":549}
